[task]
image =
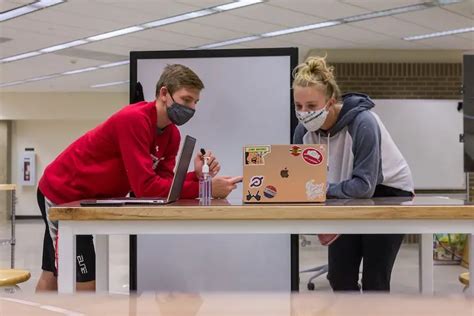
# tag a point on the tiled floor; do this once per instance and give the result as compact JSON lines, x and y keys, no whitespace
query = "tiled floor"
{"x":404,"y":279}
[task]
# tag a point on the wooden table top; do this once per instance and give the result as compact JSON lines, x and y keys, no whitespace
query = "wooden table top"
{"x":7,"y":187}
{"x":246,"y":304}
{"x":377,"y":208}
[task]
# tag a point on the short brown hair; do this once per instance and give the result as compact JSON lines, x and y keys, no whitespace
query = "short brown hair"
{"x":176,"y":76}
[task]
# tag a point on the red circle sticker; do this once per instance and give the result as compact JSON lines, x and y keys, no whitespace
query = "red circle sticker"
{"x":312,"y":156}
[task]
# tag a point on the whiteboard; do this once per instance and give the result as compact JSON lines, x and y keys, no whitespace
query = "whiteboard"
{"x":247,"y":100}
{"x":427,"y":133}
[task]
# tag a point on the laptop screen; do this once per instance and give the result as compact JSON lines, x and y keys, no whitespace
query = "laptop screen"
{"x":182,"y":168}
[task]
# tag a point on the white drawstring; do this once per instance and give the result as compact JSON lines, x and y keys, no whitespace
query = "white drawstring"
{"x":327,"y":157}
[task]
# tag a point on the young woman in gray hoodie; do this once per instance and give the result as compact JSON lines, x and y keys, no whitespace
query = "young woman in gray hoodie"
{"x":364,"y":162}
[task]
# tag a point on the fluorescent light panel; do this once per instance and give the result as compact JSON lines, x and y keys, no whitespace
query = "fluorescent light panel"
{"x":10,"y":14}
{"x":46,"y":3}
{"x":109,"y":84}
{"x":42,"y":78}
{"x":231,"y":42}
{"x":302,"y":28}
{"x":446,"y":2}
{"x":201,"y":13}
{"x":236,"y":4}
{"x":13,"y":83}
{"x":6,"y":84}
{"x":438,"y":34}
{"x":72,"y":72}
{"x":62,"y":46}
{"x":389,"y":12}
{"x":115,"y":33}
{"x":179,"y":18}
{"x":21,"y":56}
{"x":16,"y":13}
{"x":119,"y":63}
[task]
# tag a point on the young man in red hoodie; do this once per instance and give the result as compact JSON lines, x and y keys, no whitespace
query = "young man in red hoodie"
{"x":132,"y":151}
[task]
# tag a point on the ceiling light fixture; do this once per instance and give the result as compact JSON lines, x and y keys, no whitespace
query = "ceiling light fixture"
{"x":230,"y":42}
{"x":109,"y":84}
{"x":439,"y":34}
{"x":35,"y":6}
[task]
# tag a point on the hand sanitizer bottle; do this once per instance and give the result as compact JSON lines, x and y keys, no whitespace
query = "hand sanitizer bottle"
{"x":205,"y":188}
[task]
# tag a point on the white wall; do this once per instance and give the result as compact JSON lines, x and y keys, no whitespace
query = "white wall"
{"x":427,"y":134}
{"x":49,"y":122}
{"x":57,"y":106}
{"x":49,"y":138}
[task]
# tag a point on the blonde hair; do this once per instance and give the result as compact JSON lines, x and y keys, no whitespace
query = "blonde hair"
{"x":176,"y":76}
{"x":315,"y":72}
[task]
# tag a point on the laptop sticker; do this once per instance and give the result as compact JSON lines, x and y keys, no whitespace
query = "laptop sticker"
{"x":295,"y":151}
{"x":312,"y":156}
{"x":255,"y":155}
{"x":314,"y":190}
{"x":256,"y":181}
{"x":251,"y":196}
{"x":270,"y":192}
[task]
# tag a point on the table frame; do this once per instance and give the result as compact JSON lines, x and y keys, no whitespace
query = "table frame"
{"x":104,"y":228}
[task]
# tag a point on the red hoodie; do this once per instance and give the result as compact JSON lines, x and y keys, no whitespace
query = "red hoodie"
{"x":116,"y":157}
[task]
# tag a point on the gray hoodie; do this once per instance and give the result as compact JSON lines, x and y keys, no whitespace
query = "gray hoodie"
{"x":362,"y":155}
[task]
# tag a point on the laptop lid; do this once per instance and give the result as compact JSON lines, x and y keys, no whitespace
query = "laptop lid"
{"x":182,"y":168}
{"x":285,"y":173}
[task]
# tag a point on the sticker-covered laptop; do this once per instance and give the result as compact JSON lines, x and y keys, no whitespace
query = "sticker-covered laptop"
{"x":284,"y":173}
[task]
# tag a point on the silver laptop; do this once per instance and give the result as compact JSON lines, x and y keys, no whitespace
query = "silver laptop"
{"x":176,"y":186}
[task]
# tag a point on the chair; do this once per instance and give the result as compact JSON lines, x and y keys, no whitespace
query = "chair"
{"x":10,"y":278}
{"x":320,"y":270}
{"x":464,"y":279}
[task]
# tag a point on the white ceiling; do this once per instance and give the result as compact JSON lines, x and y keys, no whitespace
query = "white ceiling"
{"x":78,"y":19}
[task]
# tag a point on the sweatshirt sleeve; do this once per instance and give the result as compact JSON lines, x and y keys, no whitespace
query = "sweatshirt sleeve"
{"x":366,"y":171}
{"x":134,"y":140}
{"x":166,"y":167}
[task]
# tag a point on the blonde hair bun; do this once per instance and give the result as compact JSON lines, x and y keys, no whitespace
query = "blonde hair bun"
{"x":318,"y":67}
{"x":316,"y":72}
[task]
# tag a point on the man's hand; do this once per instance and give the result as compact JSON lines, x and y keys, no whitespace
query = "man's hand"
{"x":222,"y":186}
{"x":214,"y":166}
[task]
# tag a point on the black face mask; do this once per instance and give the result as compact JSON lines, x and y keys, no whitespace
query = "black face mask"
{"x":179,"y":114}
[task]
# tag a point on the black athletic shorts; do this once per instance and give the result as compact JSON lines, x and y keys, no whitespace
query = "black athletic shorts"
{"x":85,"y":253}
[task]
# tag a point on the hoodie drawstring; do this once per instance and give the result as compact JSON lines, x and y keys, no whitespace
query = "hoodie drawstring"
{"x":327,"y":156}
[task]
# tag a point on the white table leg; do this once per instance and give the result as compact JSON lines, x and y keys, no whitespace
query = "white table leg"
{"x":67,"y":259}
{"x":102,"y":263}
{"x":426,"y":264}
{"x":470,"y":290}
